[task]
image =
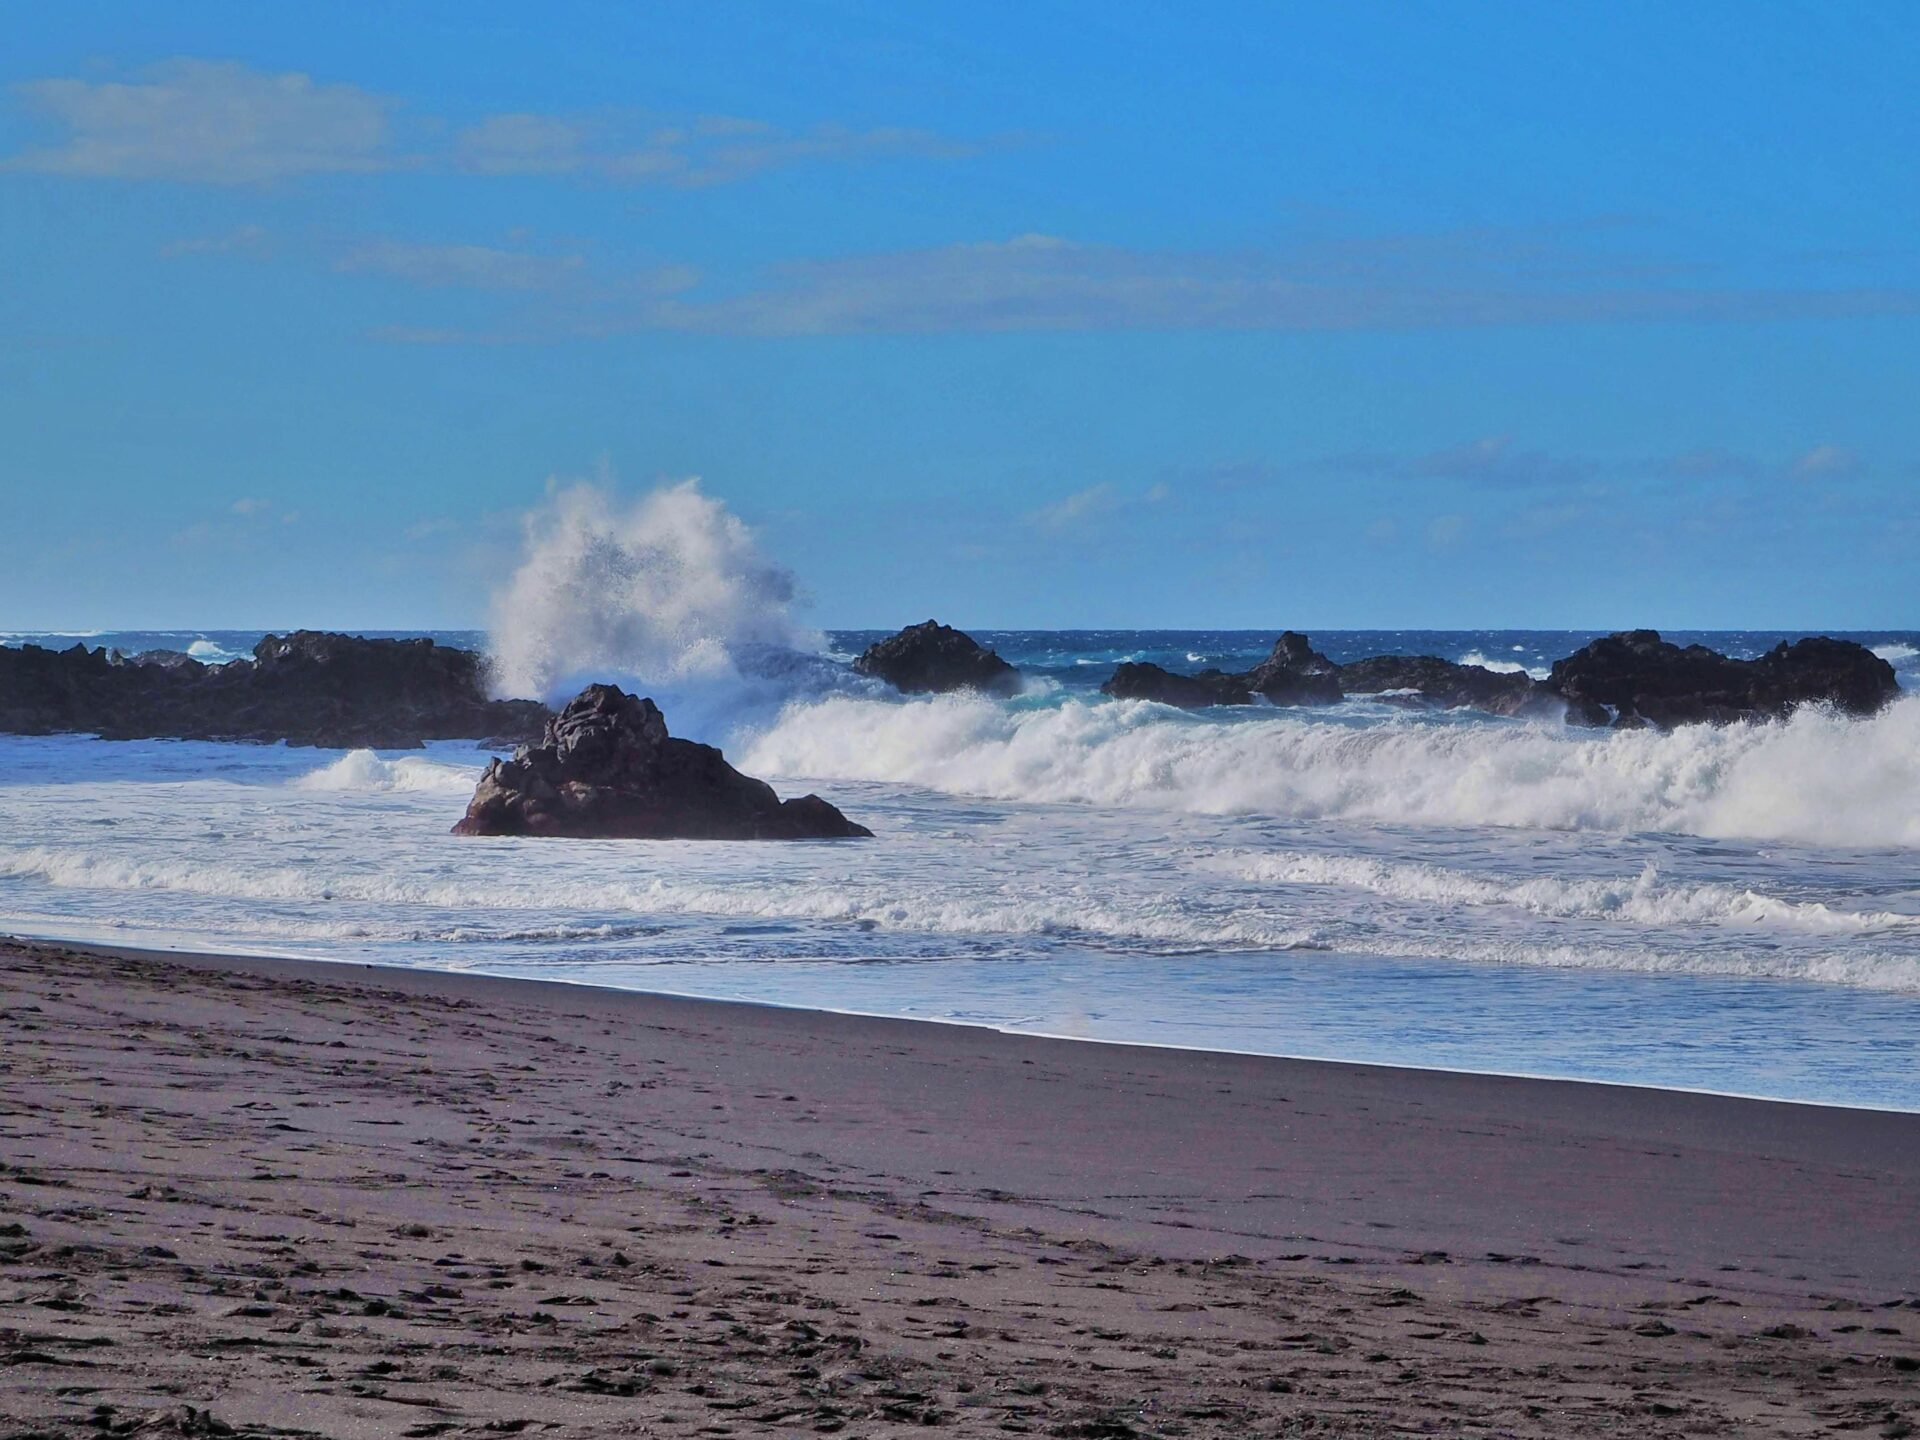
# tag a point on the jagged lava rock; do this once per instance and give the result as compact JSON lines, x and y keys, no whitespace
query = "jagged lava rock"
{"x":1636,"y":678}
{"x":306,"y":688}
{"x":1143,"y":680}
{"x":606,"y":768}
{"x":1449,"y":685}
{"x":932,"y":657}
{"x":1296,"y":674}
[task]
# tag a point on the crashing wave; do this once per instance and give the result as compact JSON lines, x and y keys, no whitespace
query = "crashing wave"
{"x":1815,"y":778}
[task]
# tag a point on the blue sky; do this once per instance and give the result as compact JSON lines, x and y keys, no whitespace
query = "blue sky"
{"x":1261,"y":315}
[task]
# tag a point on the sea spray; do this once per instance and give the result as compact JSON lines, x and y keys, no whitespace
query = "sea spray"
{"x":668,"y":594}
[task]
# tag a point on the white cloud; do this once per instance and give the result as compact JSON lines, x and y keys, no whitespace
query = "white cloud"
{"x":1445,"y":532}
{"x":251,"y":505}
{"x":207,"y":121}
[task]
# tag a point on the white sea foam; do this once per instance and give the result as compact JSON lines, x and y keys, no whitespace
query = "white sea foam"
{"x":1642,"y":899}
{"x":1816,"y":778}
{"x":362,"y":770}
{"x":1896,"y":653}
{"x":923,"y":909}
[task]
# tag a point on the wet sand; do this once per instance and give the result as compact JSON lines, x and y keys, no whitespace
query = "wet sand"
{"x":271,"y":1197}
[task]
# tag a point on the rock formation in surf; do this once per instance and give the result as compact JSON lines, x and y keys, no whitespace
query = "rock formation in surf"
{"x":1143,"y":680}
{"x":1296,"y":674}
{"x":1635,"y":678}
{"x":306,"y":688}
{"x":606,"y":768}
{"x":932,"y":657}
{"x":1629,"y":679}
{"x":1429,"y":681}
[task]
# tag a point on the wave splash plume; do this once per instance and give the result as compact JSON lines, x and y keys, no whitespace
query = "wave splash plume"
{"x":669,"y":594}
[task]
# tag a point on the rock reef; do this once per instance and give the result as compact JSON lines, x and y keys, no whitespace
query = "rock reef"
{"x":935,"y":658}
{"x":305,"y":688}
{"x":1633,"y":678}
{"x":606,"y":768}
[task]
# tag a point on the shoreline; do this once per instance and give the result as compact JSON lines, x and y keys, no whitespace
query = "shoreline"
{"x":1532,"y":1077}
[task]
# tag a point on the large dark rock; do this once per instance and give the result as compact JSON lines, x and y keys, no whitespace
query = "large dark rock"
{"x":607,"y":769}
{"x":1296,"y":674}
{"x":1143,"y":680}
{"x":1447,"y":685}
{"x":306,"y":688}
{"x":934,"y":658}
{"x":1636,"y":678}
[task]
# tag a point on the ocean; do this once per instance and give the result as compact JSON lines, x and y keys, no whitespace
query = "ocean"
{"x":1728,"y":909}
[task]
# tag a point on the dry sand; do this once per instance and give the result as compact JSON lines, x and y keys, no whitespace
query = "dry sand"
{"x":274,"y":1198}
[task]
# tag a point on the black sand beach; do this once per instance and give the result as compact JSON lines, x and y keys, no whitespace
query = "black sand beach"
{"x":276,"y":1197}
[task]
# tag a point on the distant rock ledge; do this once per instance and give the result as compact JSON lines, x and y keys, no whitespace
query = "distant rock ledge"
{"x":606,"y":768}
{"x":306,"y":688}
{"x":931,"y":658}
{"x":1629,"y":679}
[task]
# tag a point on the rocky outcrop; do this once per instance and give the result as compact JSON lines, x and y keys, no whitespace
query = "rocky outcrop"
{"x":934,"y":658}
{"x":1143,"y":680}
{"x":1427,"y":680}
{"x":1296,"y":674}
{"x":606,"y":768}
{"x":306,"y":688}
{"x":1636,"y":678}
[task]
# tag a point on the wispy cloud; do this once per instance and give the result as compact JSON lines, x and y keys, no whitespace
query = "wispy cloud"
{"x":1040,"y":283}
{"x":224,"y":123}
{"x":1826,"y":462}
{"x":1071,"y":510}
{"x":478,"y":267}
{"x":707,"y":150}
{"x":1496,"y":461}
{"x":206,"y":121}
{"x":241,"y":240}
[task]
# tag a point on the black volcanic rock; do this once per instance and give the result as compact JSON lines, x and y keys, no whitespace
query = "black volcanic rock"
{"x":1142,"y":680}
{"x":306,"y":688}
{"x":1448,"y":685}
{"x":1636,"y":678}
{"x":1296,"y":674}
{"x":935,"y":657}
{"x":607,"y":769}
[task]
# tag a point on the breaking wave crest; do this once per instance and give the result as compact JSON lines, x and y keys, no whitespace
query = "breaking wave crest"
{"x":1817,"y":778}
{"x":362,"y":770}
{"x":1502,"y":667}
